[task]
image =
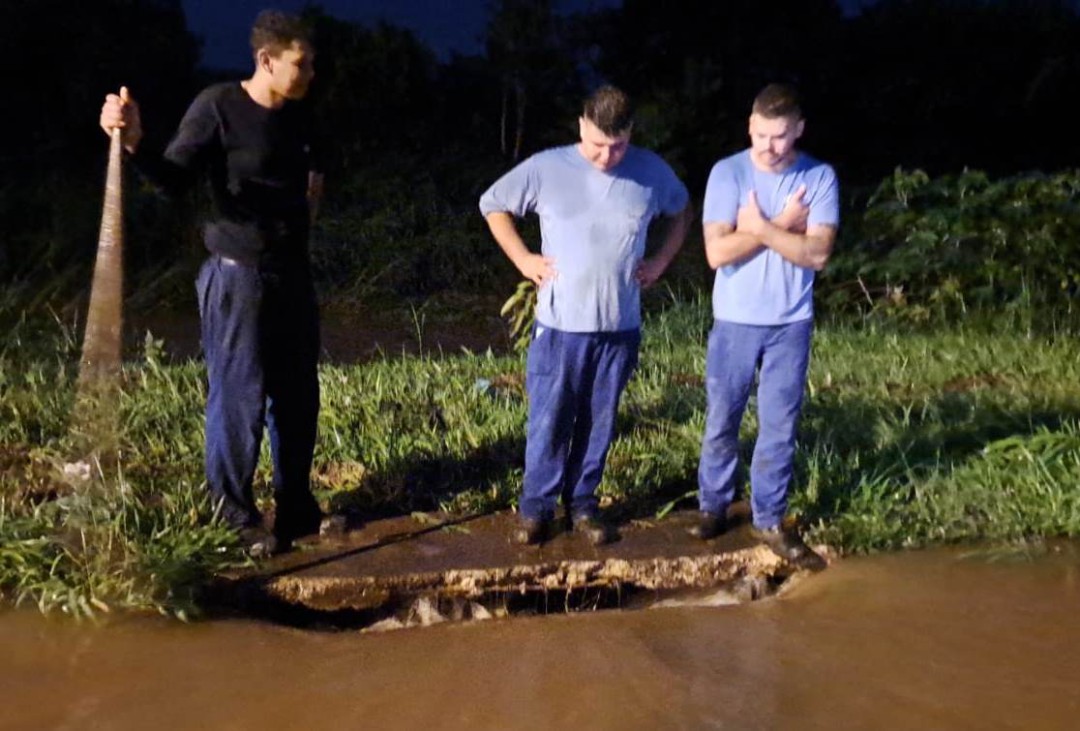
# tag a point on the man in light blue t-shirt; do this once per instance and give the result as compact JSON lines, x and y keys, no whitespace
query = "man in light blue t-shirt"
{"x":770,"y":216}
{"x":595,"y":200}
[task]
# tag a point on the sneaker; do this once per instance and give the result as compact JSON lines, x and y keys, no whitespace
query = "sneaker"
{"x":259,"y":542}
{"x":709,"y":525}
{"x":596,"y":530}
{"x":789,"y":546}
{"x":531,"y":531}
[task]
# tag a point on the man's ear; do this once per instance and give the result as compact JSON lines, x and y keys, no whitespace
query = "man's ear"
{"x":262,"y":59}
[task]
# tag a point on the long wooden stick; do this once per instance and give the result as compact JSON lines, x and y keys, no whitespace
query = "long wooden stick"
{"x":97,"y":410}
{"x":104,"y":319}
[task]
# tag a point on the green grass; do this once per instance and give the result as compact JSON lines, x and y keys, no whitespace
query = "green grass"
{"x":910,"y":436}
{"x":951,"y":435}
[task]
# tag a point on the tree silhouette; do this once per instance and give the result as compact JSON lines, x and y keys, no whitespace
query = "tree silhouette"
{"x":526,"y":46}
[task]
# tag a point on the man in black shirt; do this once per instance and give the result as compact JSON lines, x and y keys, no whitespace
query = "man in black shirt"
{"x":260,"y":323}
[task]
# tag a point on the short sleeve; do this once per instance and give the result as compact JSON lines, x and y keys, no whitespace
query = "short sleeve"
{"x":674,"y":195}
{"x":825,"y":201}
{"x":721,"y":203}
{"x":516,"y":192}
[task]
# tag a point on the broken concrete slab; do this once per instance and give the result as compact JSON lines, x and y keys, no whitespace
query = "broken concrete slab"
{"x":386,"y":566}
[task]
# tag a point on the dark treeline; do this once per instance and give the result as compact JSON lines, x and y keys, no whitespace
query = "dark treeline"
{"x":940,"y":85}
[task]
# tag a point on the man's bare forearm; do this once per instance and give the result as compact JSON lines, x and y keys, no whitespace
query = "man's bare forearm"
{"x":810,"y":250}
{"x":506,"y":236}
{"x":535,"y":267}
{"x":725,"y":246}
{"x":674,"y":236}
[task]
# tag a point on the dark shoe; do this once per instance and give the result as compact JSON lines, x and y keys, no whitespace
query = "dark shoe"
{"x":709,"y":525}
{"x":789,"y":546}
{"x":259,"y":542}
{"x":596,"y":530}
{"x":334,"y":525}
{"x":290,"y":525}
{"x":531,"y":531}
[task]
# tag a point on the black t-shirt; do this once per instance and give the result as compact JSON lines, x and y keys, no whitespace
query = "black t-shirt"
{"x":257,"y":161}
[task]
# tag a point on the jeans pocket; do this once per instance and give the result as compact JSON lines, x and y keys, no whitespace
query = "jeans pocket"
{"x":541,"y":356}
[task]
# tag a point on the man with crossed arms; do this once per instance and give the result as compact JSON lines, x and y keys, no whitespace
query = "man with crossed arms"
{"x":770,"y":218}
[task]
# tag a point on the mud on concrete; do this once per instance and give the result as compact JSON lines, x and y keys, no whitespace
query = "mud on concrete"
{"x":428,"y":568}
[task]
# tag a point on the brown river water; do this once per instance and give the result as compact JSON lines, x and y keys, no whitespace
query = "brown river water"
{"x":927,"y":640}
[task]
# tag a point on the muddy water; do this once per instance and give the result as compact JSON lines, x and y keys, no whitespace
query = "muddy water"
{"x":936,"y":640}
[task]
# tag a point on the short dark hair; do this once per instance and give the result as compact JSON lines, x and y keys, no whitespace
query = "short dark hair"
{"x":610,"y":110}
{"x":778,"y":100}
{"x":277,"y":31}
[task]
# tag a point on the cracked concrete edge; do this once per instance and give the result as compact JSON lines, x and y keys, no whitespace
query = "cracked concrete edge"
{"x":370,"y":592}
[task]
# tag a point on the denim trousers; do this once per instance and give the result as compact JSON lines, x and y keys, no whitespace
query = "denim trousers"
{"x":779,"y":356}
{"x":574,"y":382}
{"x":260,"y":339}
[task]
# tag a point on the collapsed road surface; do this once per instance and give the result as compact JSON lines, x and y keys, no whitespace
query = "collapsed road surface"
{"x":426,"y":568}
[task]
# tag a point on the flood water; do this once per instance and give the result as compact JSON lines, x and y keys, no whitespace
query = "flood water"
{"x":928,"y":640}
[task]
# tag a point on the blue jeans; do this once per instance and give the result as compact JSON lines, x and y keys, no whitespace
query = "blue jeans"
{"x":260,"y":338}
{"x":780,"y":355}
{"x":574,"y":381}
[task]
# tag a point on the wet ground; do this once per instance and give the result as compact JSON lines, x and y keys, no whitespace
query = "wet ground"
{"x":930,"y":640}
{"x":460,"y":566}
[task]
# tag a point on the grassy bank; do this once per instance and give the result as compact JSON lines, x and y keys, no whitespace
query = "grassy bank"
{"x":911,"y":435}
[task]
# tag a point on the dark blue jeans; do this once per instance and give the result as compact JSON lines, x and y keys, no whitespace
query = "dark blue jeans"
{"x":574,"y":381}
{"x":780,"y":356}
{"x":260,"y":337}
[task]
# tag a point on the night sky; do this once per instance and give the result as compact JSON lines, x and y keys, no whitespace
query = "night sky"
{"x":444,"y":25}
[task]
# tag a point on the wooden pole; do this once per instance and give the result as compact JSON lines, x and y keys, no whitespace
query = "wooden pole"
{"x":97,"y":407}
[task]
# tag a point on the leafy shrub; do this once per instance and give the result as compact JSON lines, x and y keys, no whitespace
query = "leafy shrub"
{"x":928,"y":248}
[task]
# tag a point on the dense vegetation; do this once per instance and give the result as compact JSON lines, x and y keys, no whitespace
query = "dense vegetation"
{"x":935,"y":249}
{"x":413,"y":139}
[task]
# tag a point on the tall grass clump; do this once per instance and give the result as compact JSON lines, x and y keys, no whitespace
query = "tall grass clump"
{"x":911,"y":438}
{"x":82,"y":537}
{"x":109,"y":545}
{"x":422,"y":432}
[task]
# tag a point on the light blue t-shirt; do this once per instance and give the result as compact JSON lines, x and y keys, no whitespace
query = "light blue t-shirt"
{"x":767,"y":289}
{"x":594,"y":225}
